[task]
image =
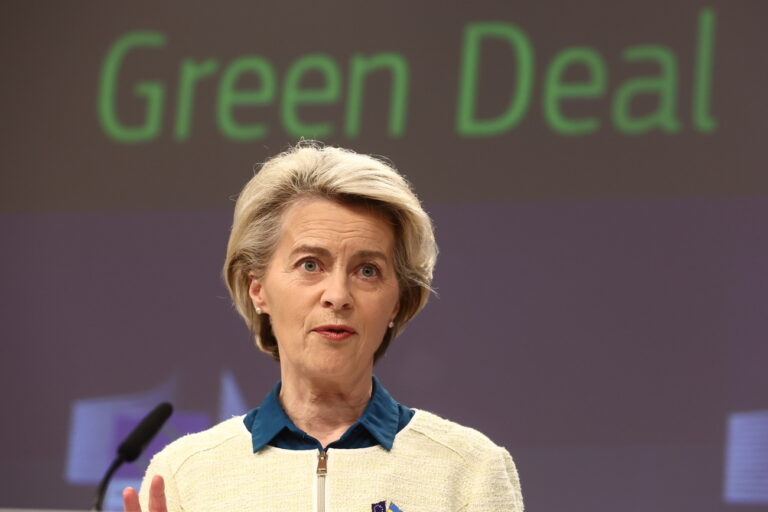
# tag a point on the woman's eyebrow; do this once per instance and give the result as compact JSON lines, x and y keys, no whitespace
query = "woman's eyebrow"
{"x":372,"y":255}
{"x":325,"y":253}
{"x":311,"y":249}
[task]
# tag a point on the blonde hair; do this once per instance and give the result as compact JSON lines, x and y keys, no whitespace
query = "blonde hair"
{"x":310,"y":169}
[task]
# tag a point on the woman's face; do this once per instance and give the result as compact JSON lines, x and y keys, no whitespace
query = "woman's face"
{"x":330,"y":289}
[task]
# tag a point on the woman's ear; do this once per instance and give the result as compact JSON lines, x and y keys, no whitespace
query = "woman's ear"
{"x":395,"y":312}
{"x":255,"y":290}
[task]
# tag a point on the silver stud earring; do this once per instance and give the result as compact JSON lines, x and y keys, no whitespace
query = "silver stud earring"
{"x":391,"y":324}
{"x":258,"y":310}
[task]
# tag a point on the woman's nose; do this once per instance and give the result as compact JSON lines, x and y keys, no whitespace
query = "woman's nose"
{"x":336,"y":294}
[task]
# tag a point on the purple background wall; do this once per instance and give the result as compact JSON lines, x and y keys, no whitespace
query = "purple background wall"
{"x":601,"y":306}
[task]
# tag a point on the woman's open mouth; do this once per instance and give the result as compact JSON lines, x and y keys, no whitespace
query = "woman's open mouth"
{"x":334,"y":332}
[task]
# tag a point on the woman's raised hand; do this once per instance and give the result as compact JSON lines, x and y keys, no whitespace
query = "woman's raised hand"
{"x":156,"y":497}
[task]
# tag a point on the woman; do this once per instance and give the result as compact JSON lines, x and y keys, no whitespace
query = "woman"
{"x":330,"y":256}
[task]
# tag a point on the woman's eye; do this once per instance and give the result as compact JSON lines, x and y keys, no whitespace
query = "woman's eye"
{"x":309,"y":265}
{"x":369,"y":271}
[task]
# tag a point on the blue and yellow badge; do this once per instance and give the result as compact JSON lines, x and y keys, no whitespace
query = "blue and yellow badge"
{"x":382,"y":507}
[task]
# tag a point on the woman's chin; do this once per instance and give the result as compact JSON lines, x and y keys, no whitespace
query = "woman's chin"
{"x":330,"y":369}
{"x":333,"y":368}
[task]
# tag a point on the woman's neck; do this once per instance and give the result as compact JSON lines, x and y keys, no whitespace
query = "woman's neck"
{"x":324,"y":410}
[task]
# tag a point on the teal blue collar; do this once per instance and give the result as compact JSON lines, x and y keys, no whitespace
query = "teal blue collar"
{"x":382,"y":419}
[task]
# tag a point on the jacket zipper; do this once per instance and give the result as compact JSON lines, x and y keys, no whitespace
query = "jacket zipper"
{"x":322,"y":471}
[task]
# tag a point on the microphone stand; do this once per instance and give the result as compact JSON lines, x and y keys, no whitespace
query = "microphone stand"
{"x":130,"y":449}
{"x":102,"y":490}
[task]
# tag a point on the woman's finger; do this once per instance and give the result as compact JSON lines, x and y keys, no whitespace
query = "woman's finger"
{"x":157,"y":495}
{"x":131,"y":500}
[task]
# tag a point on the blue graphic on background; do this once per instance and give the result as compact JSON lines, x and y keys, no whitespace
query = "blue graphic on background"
{"x":746,"y":459}
{"x":231,"y":401}
{"x":92,"y":432}
{"x":99,"y":425}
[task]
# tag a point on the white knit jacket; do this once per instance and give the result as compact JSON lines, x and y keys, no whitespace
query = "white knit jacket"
{"x":435,"y":465}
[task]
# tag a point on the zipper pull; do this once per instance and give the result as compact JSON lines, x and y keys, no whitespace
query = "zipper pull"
{"x":322,"y":463}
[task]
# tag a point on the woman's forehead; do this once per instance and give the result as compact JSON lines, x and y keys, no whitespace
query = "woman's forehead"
{"x":332,"y":225}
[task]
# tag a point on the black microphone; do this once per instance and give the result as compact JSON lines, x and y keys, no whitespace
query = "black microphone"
{"x":130,"y":449}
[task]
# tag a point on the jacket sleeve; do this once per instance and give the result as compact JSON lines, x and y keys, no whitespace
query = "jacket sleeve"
{"x":159,"y":466}
{"x":495,"y":485}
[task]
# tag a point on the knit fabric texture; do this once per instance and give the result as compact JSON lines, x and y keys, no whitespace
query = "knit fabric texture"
{"x":435,"y":465}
